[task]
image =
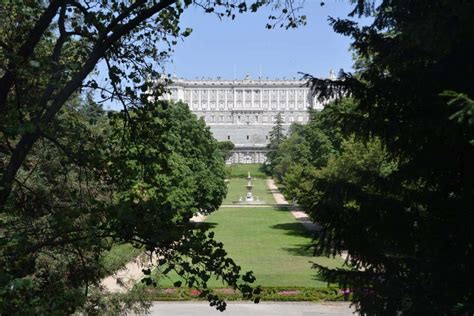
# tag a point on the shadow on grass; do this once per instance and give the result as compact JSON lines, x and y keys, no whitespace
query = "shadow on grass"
{"x":296,"y":229}
{"x":282,"y":207}
{"x":271,"y":191}
{"x":305,"y":250}
{"x":205,"y":225}
{"x":293,"y":229}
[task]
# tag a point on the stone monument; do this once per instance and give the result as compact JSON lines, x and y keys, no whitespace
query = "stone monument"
{"x":249,"y":196}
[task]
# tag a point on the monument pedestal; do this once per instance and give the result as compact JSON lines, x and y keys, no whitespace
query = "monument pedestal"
{"x":249,"y":199}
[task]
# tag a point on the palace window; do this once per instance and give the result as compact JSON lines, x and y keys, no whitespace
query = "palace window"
{"x":187,"y":96}
{"x":248,"y":95}
{"x":240,"y":94}
{"x":256,"y":97}
{"x":213,"y":95}
{"x":230,"y":95}
{"x":265,"y":95}
{"x":221,"y":96}
{"x":274,"y":95}
{"x":248,"y":137}
{"x":228,"y":137}
{"x":204,"y":95}
{"x":282,"y":95}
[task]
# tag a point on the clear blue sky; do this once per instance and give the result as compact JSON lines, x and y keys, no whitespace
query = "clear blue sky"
{"x":227,"y":48}
{"x":244,"y":46}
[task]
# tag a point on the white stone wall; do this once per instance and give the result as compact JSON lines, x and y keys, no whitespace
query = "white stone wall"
{"x":244,"y":111}
{"x":248,"y":155}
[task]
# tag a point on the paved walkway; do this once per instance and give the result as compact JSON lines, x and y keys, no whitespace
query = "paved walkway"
{"x":251,"y":309}
{"x":301,"y":216}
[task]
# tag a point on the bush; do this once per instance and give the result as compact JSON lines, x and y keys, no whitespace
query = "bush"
{"x":267,"y":294}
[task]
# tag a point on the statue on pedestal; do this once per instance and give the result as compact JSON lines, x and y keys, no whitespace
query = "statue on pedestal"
{"x":249,"y":196}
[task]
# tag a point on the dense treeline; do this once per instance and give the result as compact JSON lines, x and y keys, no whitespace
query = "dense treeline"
{"x":388,"y":173}
{"x":73,"y":179}
{"x":92,"y":182}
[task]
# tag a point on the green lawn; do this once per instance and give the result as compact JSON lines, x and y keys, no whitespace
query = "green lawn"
{"x":237,"y":189}
{"x":241,"y":170}
{"x":269,"y":242}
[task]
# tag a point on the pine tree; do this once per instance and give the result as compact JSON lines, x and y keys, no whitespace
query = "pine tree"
{"x":403,"y":209}
{"x":276,"y":137}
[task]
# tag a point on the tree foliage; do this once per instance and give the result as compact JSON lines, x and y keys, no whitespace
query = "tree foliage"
{"x":140,"y":186}
{"x":306,"y":147}
{"x":399,"y":194}
{"x":52,"y":52}
{"x":276,"y":137}
{"x":226,"y":148}
{"x":73,"y":180}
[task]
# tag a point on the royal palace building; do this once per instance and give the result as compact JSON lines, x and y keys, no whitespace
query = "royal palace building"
{"x":244,"y":111}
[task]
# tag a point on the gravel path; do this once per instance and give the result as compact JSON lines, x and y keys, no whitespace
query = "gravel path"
{"x":124,"y":279}
{"x":301,"y":216}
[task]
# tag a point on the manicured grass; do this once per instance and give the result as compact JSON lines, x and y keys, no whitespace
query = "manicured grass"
{"x":242,"y":170}
{"x":236,"y":189}
{"x":269,"y":242}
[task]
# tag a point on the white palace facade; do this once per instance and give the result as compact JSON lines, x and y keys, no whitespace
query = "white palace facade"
{"x":244,"y":111}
